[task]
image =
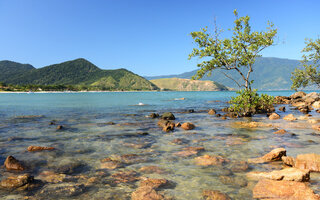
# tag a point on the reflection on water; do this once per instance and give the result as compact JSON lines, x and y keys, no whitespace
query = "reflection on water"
{"x":107,"y":145}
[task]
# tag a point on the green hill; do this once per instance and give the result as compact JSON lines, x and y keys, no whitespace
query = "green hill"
{"x":268,"y":74}
{"x":11,"y":70}
{"x":82,"y":73}
{"x":178,"y":84}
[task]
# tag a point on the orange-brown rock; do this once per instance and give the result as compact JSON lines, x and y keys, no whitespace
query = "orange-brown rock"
{"x":288,"y":160}
{"x":146,"y":193}
{"x":154,"y":183}
{"x":308,"y":161}
{"x":271,"y":189}
{"x":178,"y":124}
{"x":16,"y":182}
{"x":38,"y":148}
{"x":125,"y":177}
{"x":166,"y":125}
{"x":274,"y":116}
{"x":208,"y":160}
{"x":298,"y":95}
{"x":13,"y":164}
{"x":215,"y":195}
{"x":151,"y":169}
{"x":186,"y":153}
{"x":239,"y":166}
{"x":212,"y":112}
{"x":281,"y":132}
{"x":290,"y":117}
{"x":52,"y":177}
{"x":287,"y":174}
{"x":252,"y":124}
{"x":316,"y":127}
{"x":273,"y":155}
{"x":188,"y":126}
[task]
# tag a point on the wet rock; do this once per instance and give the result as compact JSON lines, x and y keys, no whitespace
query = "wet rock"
{"x":186,"y":153}
{"x":13,"y":164}
{"x":212,"y":112}
{"x":70,"y":168}
{"x":252,"y":124}
{"x":208,"y":160}
{"x":274,"y":116}
{"x":239,"y":166}
{"x":168,"y":116}
{"x":180,"y":141}
{"x":214,"y":195}
{"x":274,"y":155}
{"x":138,"y":144}
{"x":271,"y":189}
{"x":282,"y":100}
{"x":188,"y":126}
{"x":316,"y":127}
{"x":298,"y":95}
{"x":308,"y":161}
{"x":218,"y":115}
{"x":129,"y":158}
{"x":287,"y":174}
{"x":166,"y":125}
{"x":235,"y":181}
{"x":282,"y":108}
{"x":154,"y":115}
{"x":38,"y":148}
{"x":281,"y":132}
{"x":125,"y":177}
{"x":178,"y":124}
{"x":61,"y":190}
{"x":16,"y":182}
{"x":190,"y":111}
{"x":290,"y":117}
{"x":107,"y":163}
{"x":105,"y":124}
{"x":60,"y":127}
{"x":146,"y":193}
{"x":316,"y":104}
{"x":151,"y":170}
{"x":52,"y":177}
{"x":154,"y":183}
{"x":288,"y":160}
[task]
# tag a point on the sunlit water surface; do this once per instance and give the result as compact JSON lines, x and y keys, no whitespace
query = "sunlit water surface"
{"x":88,"y":138}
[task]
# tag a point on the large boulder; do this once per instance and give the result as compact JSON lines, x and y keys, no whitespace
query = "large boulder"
{"x":274,"y":155}
{"x":311,"y":97}
{"x":287,"y":174}
{"x":188,"y":126}
{"x":168,"y":116}
{"x":298,"y":95}
{"x":271,"y":189}
{"x":308,"y":161}
{"x":13,"y":164}
{"x":274,"y":116}
{"x":316,"y":104}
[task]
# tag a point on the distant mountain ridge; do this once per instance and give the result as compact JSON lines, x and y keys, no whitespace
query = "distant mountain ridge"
{"x":78,"y":72}
{"x":269,"y":74}
{"x":179,"y":84}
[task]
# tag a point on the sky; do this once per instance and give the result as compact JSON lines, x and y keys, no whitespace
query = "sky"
{"x":147,"y":37}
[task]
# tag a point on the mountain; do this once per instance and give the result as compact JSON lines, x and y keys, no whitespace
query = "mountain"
{"x":178,"y":84}
{"x":79,"y":72}
{"x":269,"y":74}
{"x":10,"y":70}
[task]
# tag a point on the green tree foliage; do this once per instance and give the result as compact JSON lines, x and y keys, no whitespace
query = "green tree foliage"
{"x":309,"y":74}
{"x":236,"y":53}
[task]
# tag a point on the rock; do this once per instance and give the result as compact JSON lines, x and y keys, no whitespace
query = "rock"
{"x":299,"y":104}
{"x":16,"y":182}
{"x":282,"y":108}
{"x":110,"y":164}
{"x":252,"y":124}
{"x":282,"y":100}
{"x":303,"y":117}
{"x":236,"y":181}
{"x":316,"y":127}
{"x":125,"y":177}
{"x":298,"y":95}
{"x":239,"y":166}
{"x":146,"y":193}
{"x":274,"y":116}
{"x":151,"y":170}
{"x":70,"y":167}
{"x":316,"y":104}
{"x":311,"y":97}
{"x":215,"y":195}
{"x":168,"y":116}
{"x":290,"y":117}
{"x":166,"y":125}
{"x":208,"y":160}
{"x":188,"y":126}
{"x":13,"y":164}
{"x":180,"y":141}
{"x":60,"y":127}
{"x":308,"y":161}
{"x":281,"y":131}
{"x":178,"y":124}
{"x":52,"y":177}
{"x":154,"y":115}
{"x":38,"y":148}
{"x":271,"y":189}
{"x":186,"y":153}
{"x":154,"y":183}
{"x":288,"y":160}
{"x":224,"y":117}
{"x":287,"y":174}
{"x":212,"y":112}
{"x":313,"y":121}
{"x":61,"y":190}
{"x":218,"y":115}
{"x":274,"y":155}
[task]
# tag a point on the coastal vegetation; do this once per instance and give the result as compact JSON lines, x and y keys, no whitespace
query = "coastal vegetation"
{"x":237,"y":53}
{"x":309,"y":75}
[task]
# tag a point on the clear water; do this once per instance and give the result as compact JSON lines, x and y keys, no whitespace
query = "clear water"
{"x":86,"y":140}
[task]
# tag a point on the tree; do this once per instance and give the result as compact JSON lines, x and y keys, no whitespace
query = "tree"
{"x":309,"y":74}
{"x":236,"y":53}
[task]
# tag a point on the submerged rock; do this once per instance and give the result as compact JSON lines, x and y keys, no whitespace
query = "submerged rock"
{"x":215,"y":195}
{"x":151,"y":170}
{"x":208,"y":160}
{"x":154,"y":115}
{"x":281,"y":132}
{"x":239,"y":166}
{"x":125,"y":177}
{"x":16,"y":182}
{"x":146,"y":193}
{"x":154,"y":183}
{"x":13,"y":164}
{"x":287,"y":174}
{"x":166,"y":125}
{"x":274,"y":155}
{"x":60,"y":127}
{"x":52,"y":177}
{"x":271,"y":189}
{"x":38,"y":148}
{"x":61,"y":190}
{"x":235,"y":181}
{"x":188,"y":126}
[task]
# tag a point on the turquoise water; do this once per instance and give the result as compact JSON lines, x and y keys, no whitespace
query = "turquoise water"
{"x":88,"y":138}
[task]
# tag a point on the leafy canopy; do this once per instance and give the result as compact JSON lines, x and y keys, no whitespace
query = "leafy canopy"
{"x":235,"y":53}
{"x":309,"y":74}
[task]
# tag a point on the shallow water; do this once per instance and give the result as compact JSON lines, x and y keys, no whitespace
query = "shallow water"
{"x":88,"y":138}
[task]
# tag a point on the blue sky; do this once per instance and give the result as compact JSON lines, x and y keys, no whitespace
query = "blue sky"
{"x":150,"y":37}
